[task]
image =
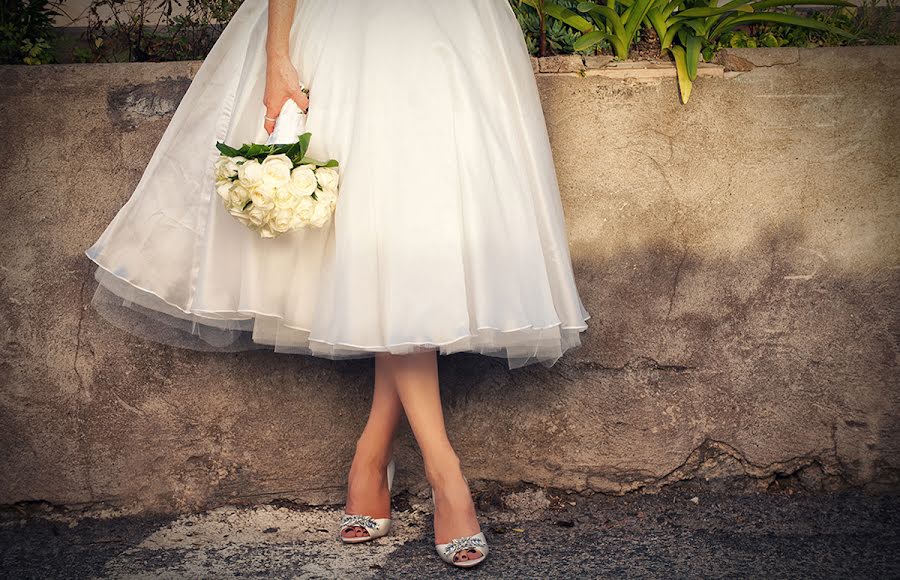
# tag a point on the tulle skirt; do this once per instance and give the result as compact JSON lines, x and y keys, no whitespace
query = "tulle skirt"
{"x":448,"y":233}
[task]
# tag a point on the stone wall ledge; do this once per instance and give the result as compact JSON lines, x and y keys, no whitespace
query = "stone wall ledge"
{"x":725,"y":61}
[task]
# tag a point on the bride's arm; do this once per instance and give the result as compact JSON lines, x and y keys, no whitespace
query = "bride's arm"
{"x":281,"y":17}
{"x":282,"y":82}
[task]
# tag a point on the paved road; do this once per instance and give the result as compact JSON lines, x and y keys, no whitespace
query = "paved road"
{"x":533,"y":534}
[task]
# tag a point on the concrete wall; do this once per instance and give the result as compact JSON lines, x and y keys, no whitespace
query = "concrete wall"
{"x":739,"y":256}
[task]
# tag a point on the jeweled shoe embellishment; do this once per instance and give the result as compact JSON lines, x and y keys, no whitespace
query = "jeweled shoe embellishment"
{"x":463,"y":544}
{"x":359,"y":520}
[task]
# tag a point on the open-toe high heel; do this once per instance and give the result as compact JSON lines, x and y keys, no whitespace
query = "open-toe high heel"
{"x":462,"y":552}
{"x":374,"y":527}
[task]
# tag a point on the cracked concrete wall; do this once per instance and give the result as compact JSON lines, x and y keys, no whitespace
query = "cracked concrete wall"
{"x":739,"y":256}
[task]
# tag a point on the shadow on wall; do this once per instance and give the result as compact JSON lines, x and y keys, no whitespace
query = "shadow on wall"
{"x":746,"y":380}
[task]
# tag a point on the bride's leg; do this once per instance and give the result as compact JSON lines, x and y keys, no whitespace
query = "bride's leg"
{"x":416,"y":379}
{"x":367,"y":491}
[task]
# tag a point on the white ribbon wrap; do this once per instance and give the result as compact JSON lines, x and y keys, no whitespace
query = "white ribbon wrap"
{"x":290,"y":124}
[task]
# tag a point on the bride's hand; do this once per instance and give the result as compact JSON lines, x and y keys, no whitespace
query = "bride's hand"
{"x":282,"y":83}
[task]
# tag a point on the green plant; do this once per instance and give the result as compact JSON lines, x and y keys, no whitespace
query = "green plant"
{"x":152,"y":30}
{"x":191,"y":35}
{"x":743,"y":39}
{"x":618,"y":23}
{"x":875,"y":22}
{"x":551,"y":23}
{"x":26,"y":31}
{"x":701,"y":23}
{"x":869,"y":23}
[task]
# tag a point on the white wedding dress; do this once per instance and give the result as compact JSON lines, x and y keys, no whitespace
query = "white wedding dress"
{"x":448,"y":233}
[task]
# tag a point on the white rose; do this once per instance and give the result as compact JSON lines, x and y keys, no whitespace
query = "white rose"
{"x":303,"y":181}
{"x":321,"y":214}
{"x":266,"y":232}
{"x":221,"y":172}
{"x":250,"y":173}
{"x":258,"y":215}
{"x":328,"y":196}
{"x":227,"y":167}
{"x":223,"y":188}
{"x":284,"y":199}
{"x":277,"y":170}
{"x":283,"y":220}
{"x":305,"y":208}
{"x":263,"y":196}
{"x":240,"y":195}
{"x":328,"y":178}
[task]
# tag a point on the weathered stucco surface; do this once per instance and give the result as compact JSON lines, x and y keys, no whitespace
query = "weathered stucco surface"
{"x":739,"y":257}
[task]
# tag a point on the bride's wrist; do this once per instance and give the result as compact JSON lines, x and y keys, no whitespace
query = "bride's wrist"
{"x":277,"y":53}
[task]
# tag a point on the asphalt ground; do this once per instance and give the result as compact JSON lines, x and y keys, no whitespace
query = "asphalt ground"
{"x":533,"y":533}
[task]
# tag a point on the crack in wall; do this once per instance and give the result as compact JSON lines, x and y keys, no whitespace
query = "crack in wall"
{"x":82,"y":308}
{"x":83,"y":446}
{"x":640,"y":363}
{"x":711,"y":449}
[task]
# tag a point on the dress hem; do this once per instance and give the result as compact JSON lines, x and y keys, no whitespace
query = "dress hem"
{"x":363,"y":349}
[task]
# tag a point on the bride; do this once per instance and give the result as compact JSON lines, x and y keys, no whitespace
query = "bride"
{"x":448,"y":234}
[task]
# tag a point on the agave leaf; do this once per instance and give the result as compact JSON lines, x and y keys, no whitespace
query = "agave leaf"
{"x":698,"y":26}
{"x":704,"y":12}
{"x":670,"y":35}
{"x":692,"y":55}
{"x":671,"y":7}
{"x":634,"y":20}
{"x":656,"y":20}
{"x":565,"y":15}
{"x":604,"y":13}
{"x":593,"y":38}
{"x":684,"y":82}
{"x":734,"y":4}
{"x":779,"y":18}
{"x":763,"y":4}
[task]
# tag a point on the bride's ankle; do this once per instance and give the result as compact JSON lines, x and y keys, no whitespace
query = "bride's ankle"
{"x":443,"y":471}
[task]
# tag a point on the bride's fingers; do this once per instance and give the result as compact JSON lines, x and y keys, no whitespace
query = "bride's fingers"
{"x":272,"y":114}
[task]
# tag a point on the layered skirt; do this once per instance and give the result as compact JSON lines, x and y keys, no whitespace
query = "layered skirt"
{"x":448,"y":234}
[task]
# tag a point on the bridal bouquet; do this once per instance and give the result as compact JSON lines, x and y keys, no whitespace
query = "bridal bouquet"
{"x":274,"y":188}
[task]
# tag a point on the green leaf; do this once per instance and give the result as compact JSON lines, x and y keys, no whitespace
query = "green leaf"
{"x":703,"y":12}
{"x":303,"y":142}
{"x":317,"y":163}
{"x":639,"y":11}
{"x":567,"y":16}
{"x":763,"y":4}
{"x":226,"y":150}
{"x":684,"y":82}
{"x":586,"y":41}
{"x":670,"y":35}
{"x":692,"y":55}
{"x":779,"y":18}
